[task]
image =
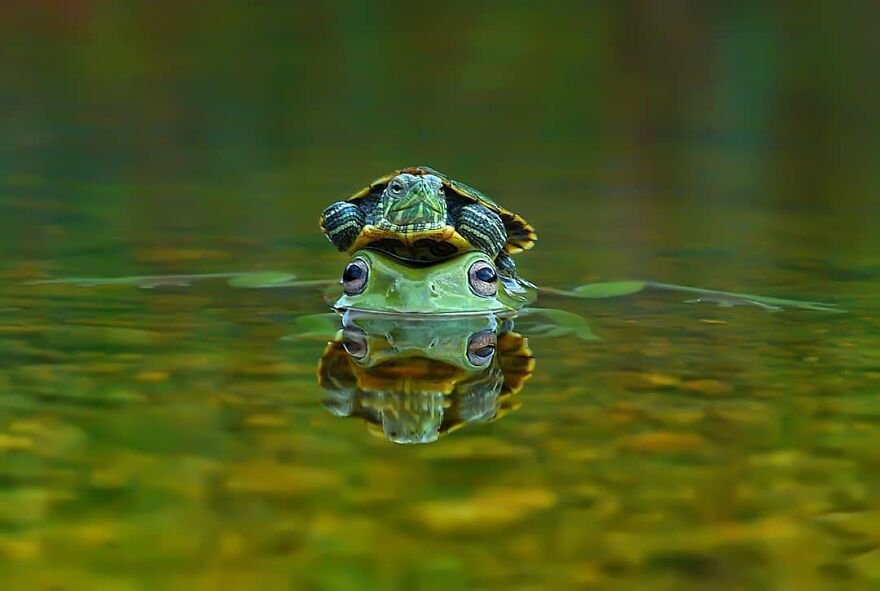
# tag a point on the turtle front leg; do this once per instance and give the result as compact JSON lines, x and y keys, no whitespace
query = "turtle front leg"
{"x":342,"y":223}
{"x":505,"y":265}
{"x":482,"y":228}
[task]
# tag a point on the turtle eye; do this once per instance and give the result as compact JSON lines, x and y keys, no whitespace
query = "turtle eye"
{"x":396,"y":186}
{"x":354,"y":278}
{"x":481,"y":347}
{"x":483,"y":279}
{"x":354,"y":341}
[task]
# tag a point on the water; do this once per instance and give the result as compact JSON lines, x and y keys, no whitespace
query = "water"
{"x":174,"y":438}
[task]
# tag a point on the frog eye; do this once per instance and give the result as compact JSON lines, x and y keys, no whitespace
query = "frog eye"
{"x":483,"y":279}
{"x":354,"y":278}
{"x":481,"y":347}
{"x":354,"y":341}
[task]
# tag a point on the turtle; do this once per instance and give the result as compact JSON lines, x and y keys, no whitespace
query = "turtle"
{"x":423,"y":216}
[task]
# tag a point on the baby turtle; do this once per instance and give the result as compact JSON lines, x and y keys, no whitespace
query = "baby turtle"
{"x":421,"y":215}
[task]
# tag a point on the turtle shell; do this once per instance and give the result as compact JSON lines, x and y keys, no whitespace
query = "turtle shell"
{"x":446,"y":241}
{"x":417,"y":245}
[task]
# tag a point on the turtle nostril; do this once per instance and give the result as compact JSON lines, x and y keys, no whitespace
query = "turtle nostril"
{"x":433,"y":289}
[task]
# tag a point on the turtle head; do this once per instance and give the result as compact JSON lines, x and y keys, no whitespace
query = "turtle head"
{"x":412,"y":201}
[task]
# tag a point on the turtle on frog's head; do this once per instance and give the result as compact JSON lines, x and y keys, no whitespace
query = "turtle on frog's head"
{"x":420,"y":215}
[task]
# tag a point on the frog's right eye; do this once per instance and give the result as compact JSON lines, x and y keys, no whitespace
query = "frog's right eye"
{"x":354,"y":278}
{"x":483,"y":279}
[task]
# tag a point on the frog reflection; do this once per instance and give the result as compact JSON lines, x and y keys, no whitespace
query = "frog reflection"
{"x":414,"y":380}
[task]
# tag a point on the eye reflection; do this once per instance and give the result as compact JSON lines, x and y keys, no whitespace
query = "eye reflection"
{"x":354,"y":341}
{"x":481,"y":347}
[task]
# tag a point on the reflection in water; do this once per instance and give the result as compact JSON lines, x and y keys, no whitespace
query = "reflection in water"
{"x":414,"y":379}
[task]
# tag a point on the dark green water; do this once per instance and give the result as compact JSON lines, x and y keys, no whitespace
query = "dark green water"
{"x":171,"y":438}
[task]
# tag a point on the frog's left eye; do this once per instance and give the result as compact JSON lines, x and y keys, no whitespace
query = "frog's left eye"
{"x":481,"y":347}
{"x":354,"y":278}
{"x":483,"y":279}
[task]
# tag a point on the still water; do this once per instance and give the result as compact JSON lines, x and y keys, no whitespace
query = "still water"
{"x":179,"y":438}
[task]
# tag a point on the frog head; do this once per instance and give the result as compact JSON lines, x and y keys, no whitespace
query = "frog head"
{"x":466,"y":284}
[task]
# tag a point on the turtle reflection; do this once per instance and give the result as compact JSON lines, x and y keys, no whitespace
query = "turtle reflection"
{"x":413,"y":380}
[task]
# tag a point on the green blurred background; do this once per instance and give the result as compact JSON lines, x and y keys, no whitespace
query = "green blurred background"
{"x":244,"y":120}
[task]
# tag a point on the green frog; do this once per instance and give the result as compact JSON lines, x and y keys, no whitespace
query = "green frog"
{"x":466,"y":284}
{"x":470,"y":283}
